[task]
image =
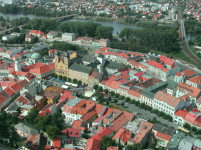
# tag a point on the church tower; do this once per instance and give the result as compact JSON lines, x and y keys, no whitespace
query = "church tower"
{"x":66,"y":63}
{"x":17,"y":65}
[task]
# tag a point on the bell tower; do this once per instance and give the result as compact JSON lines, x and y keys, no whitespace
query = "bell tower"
{"x":66,"y":63}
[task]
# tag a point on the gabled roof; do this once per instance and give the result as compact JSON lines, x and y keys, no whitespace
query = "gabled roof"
{"x":195,"y":79}
{"x":123,"y":135}
{"x":181,"y":113}
{"x":191,"y":117}
{"x":167,"y":61}
{"x":57,"y":143}
{"x":93,"y":144}
{"x":163,"y":136}
{"x":188,"y":72}
{"x":155,"y":64}
{"x":88,"y":115}
{"x":78,"y":125}
{"x":72,"y":132}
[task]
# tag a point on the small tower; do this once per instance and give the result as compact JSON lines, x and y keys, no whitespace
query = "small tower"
{"x":17,"y":65}
{"x":66,"y":60}
{"x":56,"y":57}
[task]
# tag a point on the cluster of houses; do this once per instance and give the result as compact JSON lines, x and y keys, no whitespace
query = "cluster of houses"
{"x":159,"y":82}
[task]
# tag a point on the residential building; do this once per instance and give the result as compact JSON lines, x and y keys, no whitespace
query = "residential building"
{"x":68,"y":37}
{"x":174,"y":141}
{"x":198,"y":103}
{"x":28,"y":38}
{"x":168,"y":104}
{"x":193,"y":92}
{"x":11,"y":52}
{"x":104,"y":42}
{"x":94,"y":78}
{"x":179,"y":117}
{"x":51,"y":34}
{"x":40,"y":70}
{"x":71,"y":132}
{"x":96,"y":42}
{"x":193,"y":118}
{"x":169,"y":63}
{"x":186,"y":143}
{"x":122,"y":136}
{"x":24,"y":130}
{"x":85,"y":40}
{"x":194,"y":81}
{"x":163,"y":134}
{"x":36,"y":33}
{"x":93,"y":144}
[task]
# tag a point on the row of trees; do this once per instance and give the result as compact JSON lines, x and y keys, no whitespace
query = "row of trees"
{"x":37,"y":10}
{"x":192,"y":26}
{"x":64,"y":78}
{"x":45,"y":25}
{"x":89,"y":29}
{"x":193,"y":129}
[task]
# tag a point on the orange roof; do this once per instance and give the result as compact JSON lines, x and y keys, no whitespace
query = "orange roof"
{"x":98,"y":108}
{"x":163,"y":136}
{"x":88,"y":116}
{"x":78,"y":125}
{"x":102,"y":49}
{"x":123,"y":135}
{"x":93,"y":144}
{"x":195,"y":79}
{"x":115,"y":84}
{"x":167,"y":61}
{"x":119,"y":122}
{"x":166,"y":98}
{"x":155,"y":64}
{"x":181,"y":113}
{"x":135,"y":91}
{"x":57,"y":143}
{"x":188,"y":72}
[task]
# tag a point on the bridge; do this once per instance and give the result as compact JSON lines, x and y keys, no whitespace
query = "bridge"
{"x":184,"y":44}
{"x":62,"y":18}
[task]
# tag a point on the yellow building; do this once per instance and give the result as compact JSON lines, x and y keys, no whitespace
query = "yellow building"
{"x":74,"y":71}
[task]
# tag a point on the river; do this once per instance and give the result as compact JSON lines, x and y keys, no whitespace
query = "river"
{"x":117,"y":26}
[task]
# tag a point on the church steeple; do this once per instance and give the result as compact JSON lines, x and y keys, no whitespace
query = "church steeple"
{"x":17,"y":65}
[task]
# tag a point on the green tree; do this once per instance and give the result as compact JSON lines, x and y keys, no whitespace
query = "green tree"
{"x":14,"y":119}
{"x":122,"y":104}
{"x":112,"y":93}
{"x":106,"y":91}
{"x":30,"y":118}
{"x":55,"y":76}
{"x":100,"y":88}
{"x":74,"y":81}
{"x":142,"y":105}
{"x":104,"y":32}
{"x":128,"y":99}
{"x":60,"y":77}
{"x":7,"y":19}
{"x":42,"y":123}
{"x":57,"y":120}
{"x":79,"y":82}
{"x":95,"y":86}
{"x":52,"y":132}
{"x":109,"y":99}
{"x":69,"y":79}
{"x":14,"y":135}
{"x":3,"y":23}
{"x":122,"y":97}
{"x":107,"y":142}
{"x":117,"y":95}
{"x":64,"y":78}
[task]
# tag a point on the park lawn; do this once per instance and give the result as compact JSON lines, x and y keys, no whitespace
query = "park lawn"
{"x":120,"y":107}
{"x":180,"y":56}
{"x":90,"y":51}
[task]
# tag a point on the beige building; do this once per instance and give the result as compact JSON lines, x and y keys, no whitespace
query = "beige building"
{"x":74,"y":71}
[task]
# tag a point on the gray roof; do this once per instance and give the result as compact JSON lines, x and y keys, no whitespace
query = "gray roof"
{"x":88,"y":58}
{"x":197,"y":143}
{"x":148,"y":94}
{"x":163,"y":129}
{"x":186,"y":143}
{"x":171,"y":84}
{"x":74,"y":101}
{"x":25,"y":129}
{"x":160,"y":85}
{"x":3,"y":74}
{"x":114,"y":65}
{"x":80,"y":68}
{"x":101,"y":55}
{"x":174,"y":141}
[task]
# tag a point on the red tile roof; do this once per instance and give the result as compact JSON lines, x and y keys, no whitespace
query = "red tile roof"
{"x":188,"y":72}
{"x":104,"y":132}
{"x":2,"y":99}
{"x":112,"y":148}
{"x":191,"y":117}
{"x":163,"y":136}
{"x":135,"y":91}
{"x":119,"y":122}
{"x":57,"y":143}
{"x":16,"y":87}
{"x":78,"y":125}
{"x":123,"y":135}
{"x":115,"y":84}
{"x":52,"y":51}
{"x":195,"y":79}
{"x":102,"y":49}
{"x":72,"y":132}
{"x":167,"y":61}
{"x":93,"y":144}
{"x":155,"y":64}
{"x":9,"y":91}
{"x":88,"y":116}
{"x":181,"y":113}
{"x":139,"y":74}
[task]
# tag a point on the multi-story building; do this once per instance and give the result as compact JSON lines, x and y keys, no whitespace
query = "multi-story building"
{"x":104,"y":43}
{"x":168,"y":104}
{"x":194,"y":81}
{"x":51,"y":34}
{"x":94,"y":78}
{"x":73,"y":71}
{"x":68,"y":37}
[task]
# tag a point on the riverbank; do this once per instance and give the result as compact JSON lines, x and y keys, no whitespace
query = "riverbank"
{"x":120,"y":20}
